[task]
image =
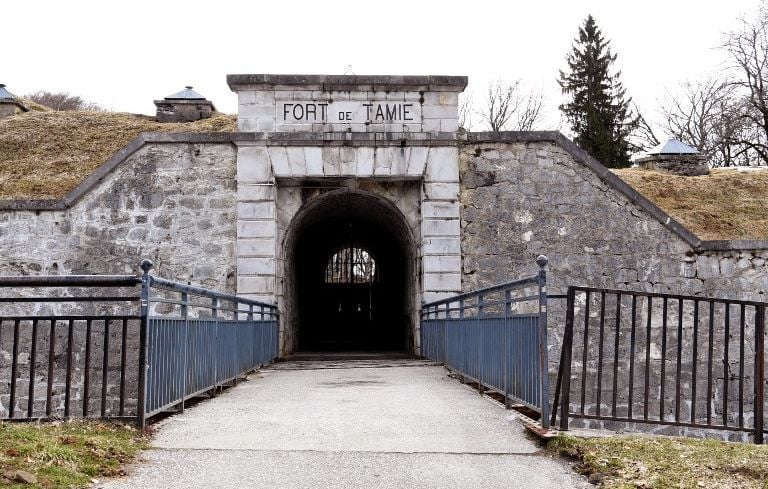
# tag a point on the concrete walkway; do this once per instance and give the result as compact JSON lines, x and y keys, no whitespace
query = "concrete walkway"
{"x":347,"y":424}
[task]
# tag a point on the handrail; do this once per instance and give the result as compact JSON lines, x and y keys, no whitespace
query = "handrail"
{"x":69,"y":280}
{"x":166,"y":284}
{"x":487,"y":290}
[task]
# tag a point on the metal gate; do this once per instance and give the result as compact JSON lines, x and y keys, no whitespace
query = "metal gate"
{"x":497,"y":337}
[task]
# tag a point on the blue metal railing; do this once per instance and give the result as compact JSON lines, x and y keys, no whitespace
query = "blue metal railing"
{"x":186,"y":355}
{"x":497,"y":337}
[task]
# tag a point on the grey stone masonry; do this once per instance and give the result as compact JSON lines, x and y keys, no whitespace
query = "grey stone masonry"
{"x":359,"y":130}
{"x":347,"y":103}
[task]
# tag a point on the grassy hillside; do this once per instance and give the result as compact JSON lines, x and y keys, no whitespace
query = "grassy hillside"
{"x":725,"y":204}
{"x":45,"y":154}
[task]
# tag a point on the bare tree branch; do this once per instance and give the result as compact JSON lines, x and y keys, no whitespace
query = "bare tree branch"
{"x":509,"y":107}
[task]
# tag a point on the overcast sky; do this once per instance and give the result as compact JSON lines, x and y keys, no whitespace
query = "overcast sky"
{"x":123,"y":55}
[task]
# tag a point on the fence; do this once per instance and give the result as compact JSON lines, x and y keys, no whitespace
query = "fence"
{"x":662,"y":359}
{"x":190,"y":354}
{"x":497,"y":337}
{"x":81,"y":348}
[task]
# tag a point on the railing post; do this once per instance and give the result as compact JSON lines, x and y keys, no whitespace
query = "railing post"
{"x":759,"y":373}
{"x":565,"y":360}
{"x":216,"y":344}
{"x":542,"y":261}
{"x":146,"y":284}
{"x":185,"y":317}
{"x":507,"y":313}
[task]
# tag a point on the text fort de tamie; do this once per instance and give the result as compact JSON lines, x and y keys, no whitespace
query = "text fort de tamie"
{"x":375,"y":111}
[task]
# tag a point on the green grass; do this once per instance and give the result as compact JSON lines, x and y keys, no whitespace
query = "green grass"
{"x":665,"y":462}
{"x":66,"y":454}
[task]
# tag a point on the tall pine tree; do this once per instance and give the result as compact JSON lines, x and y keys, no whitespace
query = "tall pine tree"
{"x":598,"y":112}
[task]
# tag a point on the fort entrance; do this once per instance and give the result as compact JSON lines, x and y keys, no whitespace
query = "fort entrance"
{"x":351,"y":261}
{"x":348,"y":204}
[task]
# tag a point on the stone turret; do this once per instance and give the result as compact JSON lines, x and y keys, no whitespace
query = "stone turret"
{"x":184,"y":106}
{"x":675,"y":157}
{"x":9,"y":105}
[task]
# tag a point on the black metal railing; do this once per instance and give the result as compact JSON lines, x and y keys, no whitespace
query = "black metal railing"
{"x":69,"y":356}
{"x":662,"y":359}
{"x":122,"y":346}
{"x":496,"y":337}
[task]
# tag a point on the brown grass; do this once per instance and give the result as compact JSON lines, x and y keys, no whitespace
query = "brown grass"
{"x":723,"y":205}
{"x":46,"y":154}
{"x":657,"y":462}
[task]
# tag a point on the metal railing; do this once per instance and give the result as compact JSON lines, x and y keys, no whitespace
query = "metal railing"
{"x":70,"y":355}
{"x":122,"y":346}
{"x":497,"y":337}
{"x":662,"y":359}
{"x":191,"y":354}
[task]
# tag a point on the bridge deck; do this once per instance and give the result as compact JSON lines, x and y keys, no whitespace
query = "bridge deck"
{"x":347,"y":423}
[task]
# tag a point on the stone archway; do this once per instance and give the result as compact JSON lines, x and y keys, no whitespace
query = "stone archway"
{"x":350,"y":280}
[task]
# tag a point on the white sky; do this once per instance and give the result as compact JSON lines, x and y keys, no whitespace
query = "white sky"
{"x":123,"y":55}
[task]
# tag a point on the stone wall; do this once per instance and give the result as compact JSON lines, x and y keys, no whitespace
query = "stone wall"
{"x":525,"y":194}
{"x":173,"y":203}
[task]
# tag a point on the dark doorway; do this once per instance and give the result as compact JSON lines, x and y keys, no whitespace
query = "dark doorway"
{"x":350,"y":272}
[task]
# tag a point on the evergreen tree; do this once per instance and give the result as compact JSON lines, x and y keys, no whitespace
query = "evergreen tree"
{"x":598,"y":112}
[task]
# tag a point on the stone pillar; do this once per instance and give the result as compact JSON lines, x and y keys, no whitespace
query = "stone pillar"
{"x":256,"y":224}
{"x":440,"y":226}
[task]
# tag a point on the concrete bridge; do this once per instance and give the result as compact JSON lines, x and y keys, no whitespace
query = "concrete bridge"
{"x":376,"y":423}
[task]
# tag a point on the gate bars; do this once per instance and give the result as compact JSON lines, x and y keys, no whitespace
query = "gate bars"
{"x":497,"y":337}
{"x":85,"y":351}
{"x":663,"y":359}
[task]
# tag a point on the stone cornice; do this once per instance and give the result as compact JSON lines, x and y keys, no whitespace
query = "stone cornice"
{"x":431,"y":83}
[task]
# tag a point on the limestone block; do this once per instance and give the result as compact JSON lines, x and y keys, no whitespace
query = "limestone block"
{"x":331,"y":161}
{"x":348,"y":157}
{"x":255,"y":112}
{"x":314,"y":161}
{"x":296,"y":161}
{"x":441,"y":98}
{"x":441,"y":246}
{"x":256,"y":247}
{"x":449,"y":125}
{"x":256,"y":266}
{"x":365,"y":158}
{"x":256,"y":285}
{"x":440,"y":227}
{"x":253,"y":164}
{"x":431,"y":125}
{"x":440,"y":209}
{"x":249,"y":192}
{"x":441,"y":191}
{"x":256,"y":97}
{"x":265,"y":298}
{"x":262,"y":125}
{"x":441,"y":263}
{"x":442,"y":281}
{"x":256,"y":229}
{"x":442,"y":165}
{"x":430,"y":296}
{"x":439,"y":112}
{"x":417,"y":160}
{"x":256,"y":210}
{"x":707,"y":267}
{"x":279,"y":159}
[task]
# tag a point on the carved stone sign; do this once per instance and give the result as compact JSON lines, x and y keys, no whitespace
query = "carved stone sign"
{"x":348,"y":112}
